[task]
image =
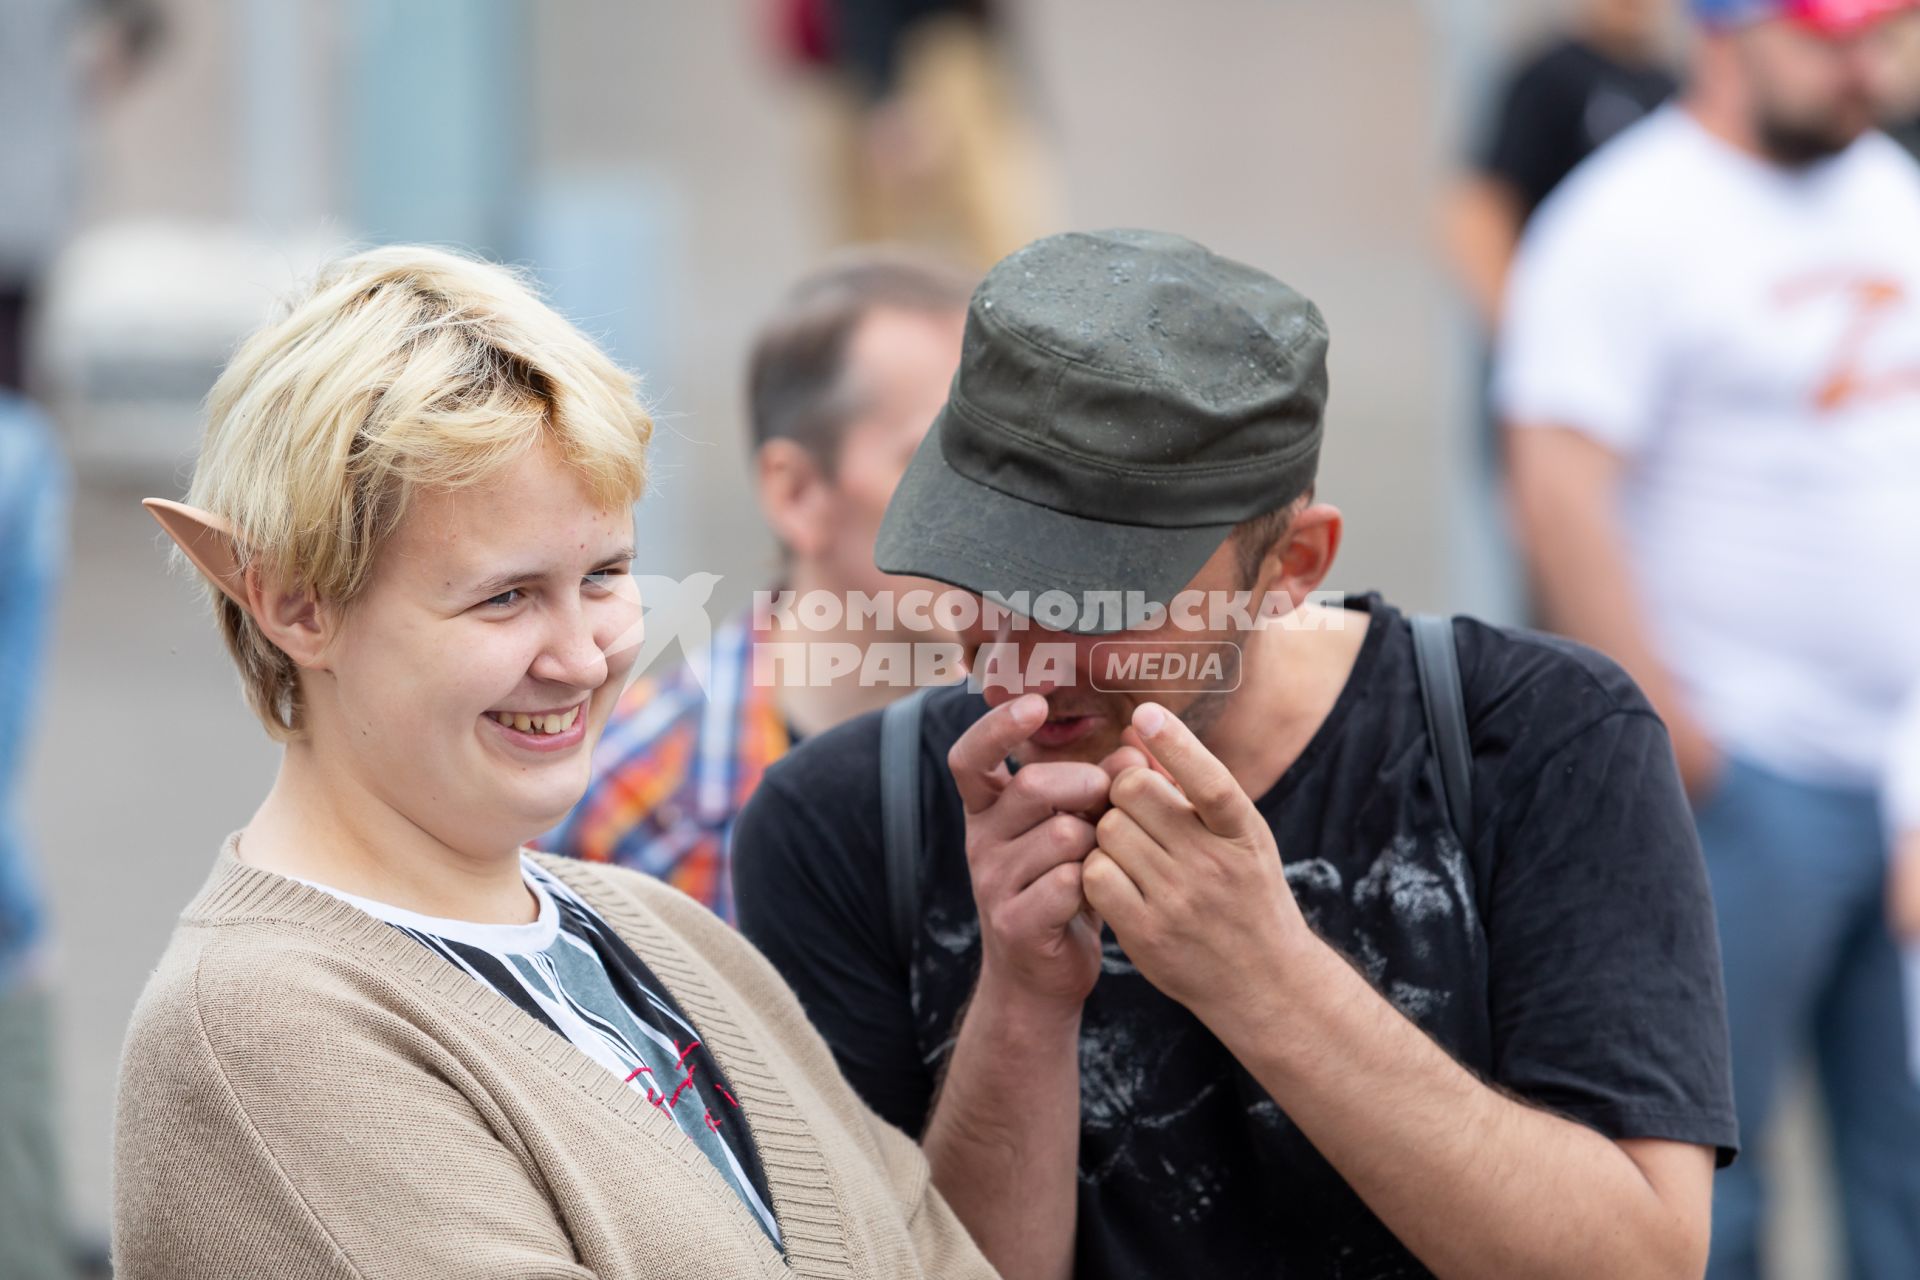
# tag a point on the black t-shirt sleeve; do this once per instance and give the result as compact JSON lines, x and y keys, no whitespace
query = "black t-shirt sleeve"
{"x":1528,"y":145}
{"x":1603,"y":960}
{"x":810,"y":892}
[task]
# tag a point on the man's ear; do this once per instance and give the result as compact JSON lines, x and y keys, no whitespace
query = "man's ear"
{"x":1299,"y":563}
{"x":207,"y":540}
{"x":795,"y":497}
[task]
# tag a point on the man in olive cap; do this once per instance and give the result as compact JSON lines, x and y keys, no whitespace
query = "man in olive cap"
{"x":1213,"y":970}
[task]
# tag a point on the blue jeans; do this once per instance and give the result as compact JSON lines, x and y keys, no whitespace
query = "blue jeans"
{"x":33,"y":495}
{"x":33,"y":532}
{"x":1799,"y":885}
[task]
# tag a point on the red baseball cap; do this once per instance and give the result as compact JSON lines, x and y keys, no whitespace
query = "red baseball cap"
{"x":1842,"y":17}
{"x":1832,"y":18}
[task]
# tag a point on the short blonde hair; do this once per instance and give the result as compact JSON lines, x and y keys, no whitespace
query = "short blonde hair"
{"x":399,"y":370}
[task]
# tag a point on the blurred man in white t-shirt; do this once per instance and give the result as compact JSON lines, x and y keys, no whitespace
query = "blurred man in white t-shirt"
{"x":1711,"y":372}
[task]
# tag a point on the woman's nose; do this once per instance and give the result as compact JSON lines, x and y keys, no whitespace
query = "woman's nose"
{"x":572,"y":654}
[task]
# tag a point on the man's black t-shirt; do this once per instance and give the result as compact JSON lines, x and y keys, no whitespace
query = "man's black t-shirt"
{"x":1568,"y":956}
{"x":1562,"y":107}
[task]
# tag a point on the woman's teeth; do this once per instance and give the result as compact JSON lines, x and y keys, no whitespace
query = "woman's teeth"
{"x":537,"y":724}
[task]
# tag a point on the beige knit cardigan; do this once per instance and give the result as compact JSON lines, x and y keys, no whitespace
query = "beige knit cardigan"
{"x":308,"y":1092}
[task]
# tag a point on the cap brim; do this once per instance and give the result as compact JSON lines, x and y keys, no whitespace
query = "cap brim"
{"x":953,"y":529}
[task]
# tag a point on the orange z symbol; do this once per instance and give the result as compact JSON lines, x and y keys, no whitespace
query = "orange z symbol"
{"x":1876,"y":300}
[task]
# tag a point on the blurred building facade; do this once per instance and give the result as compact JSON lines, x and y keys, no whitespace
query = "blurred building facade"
{"x":649,"y":163}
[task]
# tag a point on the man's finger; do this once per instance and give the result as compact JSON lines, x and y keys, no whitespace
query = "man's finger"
{"x":1131,"y":736}
{"x":1208,"y":786}
{"x":1063,"y":838}
{"x":1049,"y":903}
{"x":1121,"y":837}
{"x":1155,"y":804}
{"x":979,"y":759}
{"x":1121,"y":760}
{"x":1131,"y":756}
{"x":1041,"y":790}
{"x":1111,"y":894}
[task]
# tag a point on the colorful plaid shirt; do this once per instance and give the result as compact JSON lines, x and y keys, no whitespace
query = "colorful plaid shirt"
{"x":673,"y":770}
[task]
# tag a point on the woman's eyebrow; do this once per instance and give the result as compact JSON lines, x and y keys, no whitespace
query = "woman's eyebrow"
{"x":499,"y":582}
{"x":503,"y":581}
{"x":622,"y":556}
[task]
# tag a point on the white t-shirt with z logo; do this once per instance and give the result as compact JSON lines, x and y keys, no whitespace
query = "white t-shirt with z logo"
{"x":1747,"y":338}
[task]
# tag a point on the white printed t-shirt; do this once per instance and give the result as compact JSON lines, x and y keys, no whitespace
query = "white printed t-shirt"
{"x":1747,"y":338}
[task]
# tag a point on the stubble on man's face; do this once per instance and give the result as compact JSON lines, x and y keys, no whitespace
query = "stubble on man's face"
{"x":1111,"y":712}
{"x":1093,"y":713}
{"x":1090,"y":715}
{"x":1809,"y":99}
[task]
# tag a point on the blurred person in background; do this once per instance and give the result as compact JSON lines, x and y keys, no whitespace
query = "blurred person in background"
{"x":40,"y":99}
{"x":1559,"y":107}
{"x":384,"y":1040}
{"x":924,"y":134}
{"x":34,"y":1242}
{"x":53,"y":53}
{"x":1710,"y":366}
{"x":843,"y":381}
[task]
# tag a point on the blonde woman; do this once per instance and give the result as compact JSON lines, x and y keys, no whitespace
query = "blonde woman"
{"x":385,"y":1040}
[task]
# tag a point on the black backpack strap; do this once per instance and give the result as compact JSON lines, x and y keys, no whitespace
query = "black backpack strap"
{"x":900,"y":814}
{"x":1446,"y":708}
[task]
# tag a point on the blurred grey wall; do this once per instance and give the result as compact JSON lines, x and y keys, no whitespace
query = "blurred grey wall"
{"x":651,"y":163}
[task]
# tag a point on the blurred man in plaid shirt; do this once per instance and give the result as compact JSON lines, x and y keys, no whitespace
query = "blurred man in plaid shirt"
{"x":843,"y":382}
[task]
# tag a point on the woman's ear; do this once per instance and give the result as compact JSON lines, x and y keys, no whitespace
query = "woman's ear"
{"x":207,"y":540}
{"x":290,"y":619}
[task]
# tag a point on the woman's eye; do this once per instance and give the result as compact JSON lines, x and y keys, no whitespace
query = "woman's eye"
{"x":505,"y":600}
{"x":603,"y":578}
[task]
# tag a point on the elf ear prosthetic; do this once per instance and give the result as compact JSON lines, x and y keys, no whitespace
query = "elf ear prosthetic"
{"x":207,"y":539}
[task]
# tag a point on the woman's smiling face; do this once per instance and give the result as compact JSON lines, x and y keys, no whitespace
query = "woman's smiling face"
{"x":468,"y":683}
